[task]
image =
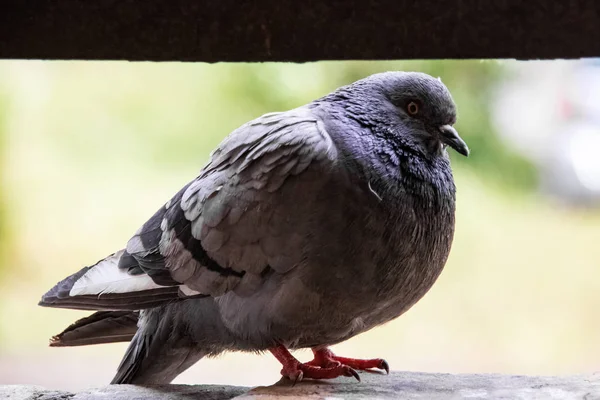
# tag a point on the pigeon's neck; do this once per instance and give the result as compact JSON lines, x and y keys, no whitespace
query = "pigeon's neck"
{"x":393,"y":169}
{"x":381,"y":158}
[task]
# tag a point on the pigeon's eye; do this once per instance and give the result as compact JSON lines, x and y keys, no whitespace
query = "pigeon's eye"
{"x":412,"y":108}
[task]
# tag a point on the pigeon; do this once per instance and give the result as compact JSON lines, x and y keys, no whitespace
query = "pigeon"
{"x":305,"y":228}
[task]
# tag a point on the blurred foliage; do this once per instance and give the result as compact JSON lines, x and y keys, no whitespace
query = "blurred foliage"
{"x":200,"y":104}
{"x":4,"y":237}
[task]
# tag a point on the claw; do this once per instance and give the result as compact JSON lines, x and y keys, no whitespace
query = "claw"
{"x":298,"y":378}
{"x":354,"y":374}
{"x":384,"y":365}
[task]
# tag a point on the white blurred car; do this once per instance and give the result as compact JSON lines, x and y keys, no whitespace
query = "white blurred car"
{"x":549,"y":111}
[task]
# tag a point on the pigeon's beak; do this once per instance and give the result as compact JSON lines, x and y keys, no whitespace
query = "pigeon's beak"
{"x":449,"y":136}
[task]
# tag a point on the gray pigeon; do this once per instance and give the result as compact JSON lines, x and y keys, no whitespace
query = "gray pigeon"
{"x":305,"y":228}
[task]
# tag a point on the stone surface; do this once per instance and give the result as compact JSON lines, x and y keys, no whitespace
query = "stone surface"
{"x":125,"y":392}
{"x":404,"y":385}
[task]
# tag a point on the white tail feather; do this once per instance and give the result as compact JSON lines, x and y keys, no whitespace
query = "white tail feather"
{"x":107,"y":277}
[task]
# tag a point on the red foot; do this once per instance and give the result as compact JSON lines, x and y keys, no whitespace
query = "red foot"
{"x":325,"y":365}
{"x":325,"y":358}
{"x":296,"y":371}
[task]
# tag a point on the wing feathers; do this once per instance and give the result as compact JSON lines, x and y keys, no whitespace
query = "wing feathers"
{"x":105,"y":286}
{"x":220,"y":231}
{"x":107,"y":277}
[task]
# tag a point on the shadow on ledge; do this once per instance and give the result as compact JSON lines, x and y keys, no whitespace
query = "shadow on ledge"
{"x":404,"y":385}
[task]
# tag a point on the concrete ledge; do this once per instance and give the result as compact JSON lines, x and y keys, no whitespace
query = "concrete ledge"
{"x":398,"y":385}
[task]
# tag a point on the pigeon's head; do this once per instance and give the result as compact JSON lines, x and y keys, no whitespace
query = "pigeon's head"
{"x":417,"y":109}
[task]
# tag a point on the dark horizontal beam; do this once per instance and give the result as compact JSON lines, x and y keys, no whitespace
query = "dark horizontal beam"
{"x":307,"y":30}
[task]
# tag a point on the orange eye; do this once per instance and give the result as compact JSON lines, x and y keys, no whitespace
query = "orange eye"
{"x":412,"y":108}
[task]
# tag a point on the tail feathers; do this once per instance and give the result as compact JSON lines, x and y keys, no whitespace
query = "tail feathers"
{"x":133,"y":359}
{"x":105,"y":286}
{"x":100,"y":327}
{"x":144,"y":364}
{"x":158,"y":353}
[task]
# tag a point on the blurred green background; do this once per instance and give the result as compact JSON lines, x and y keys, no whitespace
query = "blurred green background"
{"x":89,"y":150}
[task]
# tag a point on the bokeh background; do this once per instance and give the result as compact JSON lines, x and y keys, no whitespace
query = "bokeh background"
{"x":89,"y":150}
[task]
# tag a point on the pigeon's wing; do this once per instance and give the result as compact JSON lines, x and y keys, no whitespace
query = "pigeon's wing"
{"x":226,"y":228}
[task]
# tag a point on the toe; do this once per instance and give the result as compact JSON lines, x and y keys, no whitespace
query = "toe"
{"x":385,"y":366}
{"x":293,"y":374}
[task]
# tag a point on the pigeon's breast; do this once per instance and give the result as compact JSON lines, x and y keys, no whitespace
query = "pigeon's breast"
{"x":391,"y":248}
{"x":367,"y":255}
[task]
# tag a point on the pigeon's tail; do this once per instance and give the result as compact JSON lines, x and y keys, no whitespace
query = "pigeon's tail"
{"x":100,"y":327}
{"x":159,"y":351}
{"x":108,"y":285}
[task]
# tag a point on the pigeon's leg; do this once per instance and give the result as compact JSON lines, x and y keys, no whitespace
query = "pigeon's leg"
{"x":326,"y":358}
{"x":296,"y":371}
